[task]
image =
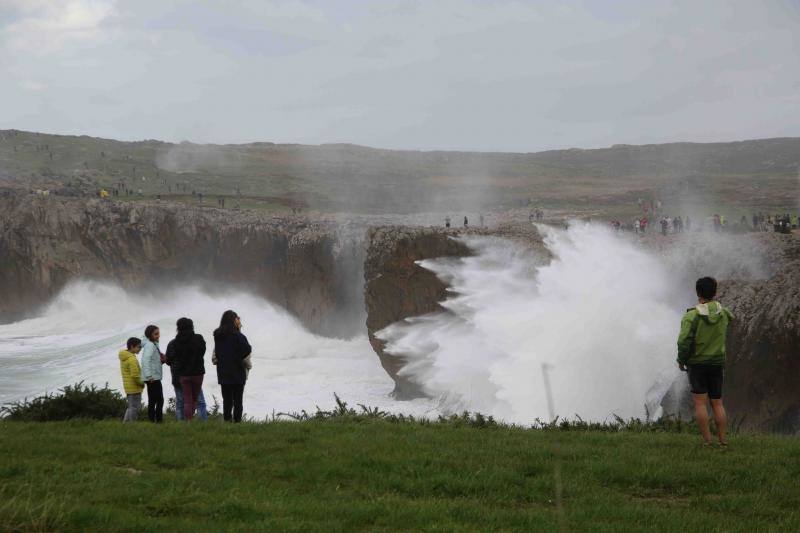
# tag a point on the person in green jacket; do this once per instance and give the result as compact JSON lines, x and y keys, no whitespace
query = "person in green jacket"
{"x":701,"y":352}
{"x":131,"y":378}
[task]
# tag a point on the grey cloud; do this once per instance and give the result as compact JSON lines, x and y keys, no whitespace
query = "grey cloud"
{"x":455,"y":74}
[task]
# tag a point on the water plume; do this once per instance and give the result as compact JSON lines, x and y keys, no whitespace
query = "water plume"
{"x":600,"y":315}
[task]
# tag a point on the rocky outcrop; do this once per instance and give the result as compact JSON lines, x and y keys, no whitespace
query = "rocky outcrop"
{"x":397,"y":287}
{"x":763,"y":351}
{"x":764,"y":345}
{"x":46,"y":242}
{"x":764,"y":340}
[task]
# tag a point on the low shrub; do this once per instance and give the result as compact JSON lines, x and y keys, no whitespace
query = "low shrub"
{"x":73,"y":401}
{"x":343,"y":412}
{"x":82,"y":401}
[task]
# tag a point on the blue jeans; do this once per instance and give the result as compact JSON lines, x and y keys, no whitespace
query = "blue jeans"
{"x":202,"y":413}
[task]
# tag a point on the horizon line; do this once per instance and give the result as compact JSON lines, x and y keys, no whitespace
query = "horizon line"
{"x":418,"y":150}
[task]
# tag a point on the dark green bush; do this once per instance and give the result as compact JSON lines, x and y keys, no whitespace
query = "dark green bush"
{"x":73,"y":401}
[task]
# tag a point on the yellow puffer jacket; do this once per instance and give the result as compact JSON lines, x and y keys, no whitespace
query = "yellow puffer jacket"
{"x":131,"y":373}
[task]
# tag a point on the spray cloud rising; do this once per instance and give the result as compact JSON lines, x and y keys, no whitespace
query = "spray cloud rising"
{"x":600,"y":316}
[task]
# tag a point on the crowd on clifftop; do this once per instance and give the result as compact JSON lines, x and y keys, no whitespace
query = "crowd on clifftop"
{"x":653,"y":212}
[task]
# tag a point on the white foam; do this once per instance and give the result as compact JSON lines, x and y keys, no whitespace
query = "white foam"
{"x":78,"y":336}
{"x":599,"y":316}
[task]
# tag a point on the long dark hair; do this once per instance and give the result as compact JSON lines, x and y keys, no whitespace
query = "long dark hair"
{"x":227,"y":324}
{"x":148,"y":332}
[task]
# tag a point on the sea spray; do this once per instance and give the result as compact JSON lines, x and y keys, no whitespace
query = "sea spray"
{"x":77,"y":337}
{"x":600,"y":315}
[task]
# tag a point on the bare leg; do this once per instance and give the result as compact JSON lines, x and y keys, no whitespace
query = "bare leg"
{"x":701,"y":414}
{"x":721,"y":419}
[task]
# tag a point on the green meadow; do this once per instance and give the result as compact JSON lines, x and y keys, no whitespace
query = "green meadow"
{"x":377,"y":474}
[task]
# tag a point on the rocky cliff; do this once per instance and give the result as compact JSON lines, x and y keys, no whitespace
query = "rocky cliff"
{"x":317,"y":270}
{"x":764,"y":344}
{"x":397,"y":287}
{"x":308,"y":267}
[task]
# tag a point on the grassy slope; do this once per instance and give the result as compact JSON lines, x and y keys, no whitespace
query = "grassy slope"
{"x":375,"y":475}
{"x":753,"y":174}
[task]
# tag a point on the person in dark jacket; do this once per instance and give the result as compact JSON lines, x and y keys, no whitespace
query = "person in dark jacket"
{"x":185,"y":355}
{"x":231,"y":349}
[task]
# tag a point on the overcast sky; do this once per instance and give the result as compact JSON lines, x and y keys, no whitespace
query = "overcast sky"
{"x":436,"y":74}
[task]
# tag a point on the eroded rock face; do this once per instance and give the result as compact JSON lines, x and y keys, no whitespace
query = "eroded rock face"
{"x":763,"y":350}
{"x":46,"y":242}
{"x":397,"y":287}
{"x":763,"y":364}
{"x":317,"y":269}
{"x":764,"y":341}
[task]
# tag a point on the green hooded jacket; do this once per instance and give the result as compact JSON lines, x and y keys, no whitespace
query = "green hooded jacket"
{"x":703,"y":332}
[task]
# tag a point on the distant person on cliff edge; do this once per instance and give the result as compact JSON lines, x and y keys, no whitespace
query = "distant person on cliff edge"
{"x":185,"y":353}
{"x":701,"y":352}
{"x":232,"y":357}
{"x":152,"y":360}
{"x":131,"y":378}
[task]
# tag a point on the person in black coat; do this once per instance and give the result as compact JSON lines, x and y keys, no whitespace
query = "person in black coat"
{"x":185,"y":355}
{"x":230,"y":351}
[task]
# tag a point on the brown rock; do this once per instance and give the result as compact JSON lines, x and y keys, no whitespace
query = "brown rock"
{"x":46,"y":242}
{"x":397,"y":287}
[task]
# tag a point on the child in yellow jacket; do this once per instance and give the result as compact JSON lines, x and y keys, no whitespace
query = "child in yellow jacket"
{"x":131,"y":378}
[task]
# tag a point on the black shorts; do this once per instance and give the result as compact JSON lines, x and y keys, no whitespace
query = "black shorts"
{"x":706,"y":379}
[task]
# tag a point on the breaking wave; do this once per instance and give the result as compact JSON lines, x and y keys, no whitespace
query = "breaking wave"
{"x":78,"y":336}
{"x":600,"y":319}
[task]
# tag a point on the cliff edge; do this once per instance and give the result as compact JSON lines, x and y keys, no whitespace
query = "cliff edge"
{"x":306,"y":266}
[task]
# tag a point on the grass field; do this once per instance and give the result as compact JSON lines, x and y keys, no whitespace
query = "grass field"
{"x":375,"y":475}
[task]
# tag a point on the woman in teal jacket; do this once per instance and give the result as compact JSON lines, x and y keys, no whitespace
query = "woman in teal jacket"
{"x":151,"y":374}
